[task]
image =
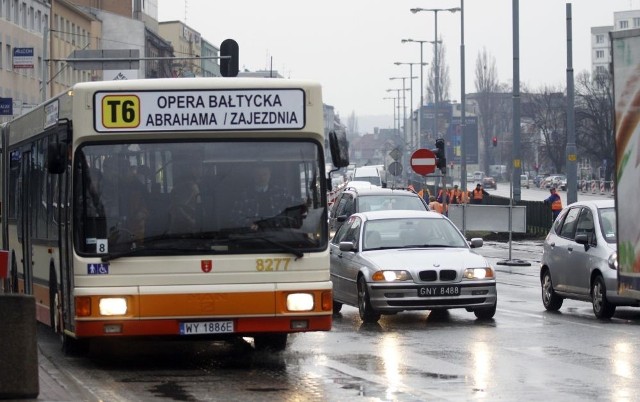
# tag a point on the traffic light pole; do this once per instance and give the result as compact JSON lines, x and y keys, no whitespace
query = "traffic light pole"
{"x":441,"y":163}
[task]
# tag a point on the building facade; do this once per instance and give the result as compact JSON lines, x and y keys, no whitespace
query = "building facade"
{"x":23,"y":25}
{"x":187,"y":47}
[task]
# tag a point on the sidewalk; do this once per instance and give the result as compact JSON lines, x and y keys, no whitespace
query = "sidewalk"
{"x":57,"y":386}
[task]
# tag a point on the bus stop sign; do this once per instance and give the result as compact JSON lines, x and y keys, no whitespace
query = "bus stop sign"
{"x":423,"y":161}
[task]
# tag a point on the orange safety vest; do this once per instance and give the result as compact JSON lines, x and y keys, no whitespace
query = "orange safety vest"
{"x":457,"y":196}
{"x":477,"y":194}
{"x":556,"y":205}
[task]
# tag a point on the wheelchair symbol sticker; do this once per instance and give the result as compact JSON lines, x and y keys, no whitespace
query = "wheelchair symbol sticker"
{"x":98,"y":269}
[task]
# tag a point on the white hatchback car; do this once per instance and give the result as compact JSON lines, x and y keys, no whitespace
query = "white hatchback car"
{"x":575,"y":259}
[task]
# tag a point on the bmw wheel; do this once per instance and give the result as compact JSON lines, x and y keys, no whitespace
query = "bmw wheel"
{"x":601,"y":306}
{"x":486,"y":313}
{"x":550,"y":298}
{"x":367,"y":313}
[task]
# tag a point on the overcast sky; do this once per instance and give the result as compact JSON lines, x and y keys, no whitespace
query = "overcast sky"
{"x":350,"y":46}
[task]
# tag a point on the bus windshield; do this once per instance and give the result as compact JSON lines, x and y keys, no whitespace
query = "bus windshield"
{"x":206,"y":197}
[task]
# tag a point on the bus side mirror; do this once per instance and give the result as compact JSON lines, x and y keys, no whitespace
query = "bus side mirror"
{"x":339,"y":147}
{"x":57,"y":158}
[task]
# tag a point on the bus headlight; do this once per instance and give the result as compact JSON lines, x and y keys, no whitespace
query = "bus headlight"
{"x":300,"y":302}
{"x":113,"y":306}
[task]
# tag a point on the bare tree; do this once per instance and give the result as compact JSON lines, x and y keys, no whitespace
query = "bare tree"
{"x":594,"y":119}
{"x":488,"y":100}
{"x":444,"y":81}
{"x":547,"y":110}
{"x":352,"y":124}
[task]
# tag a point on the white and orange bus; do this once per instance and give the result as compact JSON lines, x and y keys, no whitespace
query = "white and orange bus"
{"x":128,"y":209}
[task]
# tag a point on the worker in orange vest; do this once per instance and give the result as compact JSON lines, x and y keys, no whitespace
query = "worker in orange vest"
{"x":555,"y":201}
{"x":477,"y":195}
{"x":457,"y":196}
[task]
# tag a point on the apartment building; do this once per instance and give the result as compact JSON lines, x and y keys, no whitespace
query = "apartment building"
{"x":187,"y":46}
{"x":22,"y":26}
{"x":600,"y":44}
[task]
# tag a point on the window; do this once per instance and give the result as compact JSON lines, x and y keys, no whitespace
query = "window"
{"x":23,"y":13}
{"x":39,"y":21}
{"x":8,"y":54}
{"x":569,"y":226}
{"x":624,"y":24}
{"x":599,"y":54}
{"x":600,"y":38}
{"x":16,"y":12}
{"x":636,"y":22}
{"x":32,"y":24}
{"x":0,"y":55}
{"x":600,"y":69}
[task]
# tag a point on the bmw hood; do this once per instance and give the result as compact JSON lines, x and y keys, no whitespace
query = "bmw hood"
{"x":423,"y":258}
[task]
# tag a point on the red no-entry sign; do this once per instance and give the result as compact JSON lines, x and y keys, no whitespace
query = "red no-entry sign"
{"x":423,"y":161}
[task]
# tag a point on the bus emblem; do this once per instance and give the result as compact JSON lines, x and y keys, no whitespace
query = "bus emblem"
{"x":206,"y":265}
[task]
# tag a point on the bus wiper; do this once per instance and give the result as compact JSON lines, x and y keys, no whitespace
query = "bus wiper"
{"x":283,"y":246}
{"x":151,"y":251}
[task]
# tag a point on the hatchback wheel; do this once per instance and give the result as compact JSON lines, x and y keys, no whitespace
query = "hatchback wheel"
{"x":601,"y":306}
{"x":367,"y":313}
{"x":550,"y":299}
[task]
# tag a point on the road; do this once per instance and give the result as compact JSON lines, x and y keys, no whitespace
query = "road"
{"x":524,"y":353}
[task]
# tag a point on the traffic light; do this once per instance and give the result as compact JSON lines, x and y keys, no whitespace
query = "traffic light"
{"x":495,"y":141}
{"x":441,"y":160}
{"x":229,"y":62}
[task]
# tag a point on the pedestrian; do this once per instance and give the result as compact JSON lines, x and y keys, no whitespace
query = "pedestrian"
{"x":434,"y":205}
{"x":424,"y":194}
{"x":457,"y":196}
{"x":555,"y":201}
{"x":478,"y":194}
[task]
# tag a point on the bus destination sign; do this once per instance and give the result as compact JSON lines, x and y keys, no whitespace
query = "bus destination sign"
{"x":227,"y":109}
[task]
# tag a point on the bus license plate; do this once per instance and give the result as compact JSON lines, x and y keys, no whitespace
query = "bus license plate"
{"x":439,"y":291}
{"x":206,"y":327}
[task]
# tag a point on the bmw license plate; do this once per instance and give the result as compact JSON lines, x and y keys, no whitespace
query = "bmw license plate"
{"x":439,"y":291}
{"x":206,"y":327}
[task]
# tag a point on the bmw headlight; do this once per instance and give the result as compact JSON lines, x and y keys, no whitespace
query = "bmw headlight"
{"x":478,"y":273}
{"x":391,"y":276}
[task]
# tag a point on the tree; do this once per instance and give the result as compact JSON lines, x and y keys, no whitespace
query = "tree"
{"x":594,"y":118}
{"x":548,"y":111}
{"x":444,"y":82}
{"x":352,"y":124}
{"x":492,"y":108}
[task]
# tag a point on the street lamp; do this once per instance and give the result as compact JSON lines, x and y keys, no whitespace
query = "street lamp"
{"x":397,"y":63}
{"x":394,"y":109}
{"x":421,"y":42}
{"x":404,"y":104}
{"x":397,"y":90}
{"x":436,"y":66}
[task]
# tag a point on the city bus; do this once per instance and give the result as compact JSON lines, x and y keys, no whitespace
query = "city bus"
{"x":127,"y":209}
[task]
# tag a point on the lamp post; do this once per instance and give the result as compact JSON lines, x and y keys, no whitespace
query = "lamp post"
{"x":436,"y":66}
{"x":463,"y":100}
{"x":397,"y":63}
{"x":398,"y":107}
{"x":421,"y":42}
{"x":404,"y":104}
{"x":394,"y":108}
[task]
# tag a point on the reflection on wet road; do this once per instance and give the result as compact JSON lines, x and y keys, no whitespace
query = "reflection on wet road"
{"x":524,"y":353}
